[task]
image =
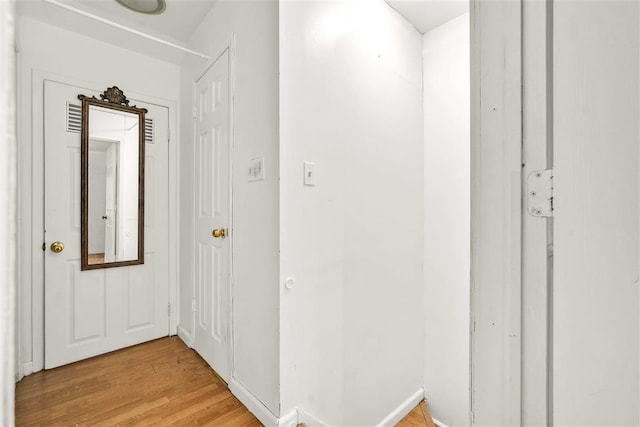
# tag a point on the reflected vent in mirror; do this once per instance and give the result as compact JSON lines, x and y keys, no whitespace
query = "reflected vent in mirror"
{"x":148,"y":131}
{"x":74,"y":117}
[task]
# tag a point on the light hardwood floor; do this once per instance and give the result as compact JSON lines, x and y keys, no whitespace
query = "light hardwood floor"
{"x":420,"y":416}
{"x":161,"y":382}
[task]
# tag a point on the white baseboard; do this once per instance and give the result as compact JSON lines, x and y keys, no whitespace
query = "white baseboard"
{"x":257,"y":408}
{"x":289,"y":420}
{"x":390,"y":420}
{"x":308,"y":419}
{"x":439,"y":423}
{"x":185,"y":336}
{"x":401,"y":411}
{"x":27,"y":368}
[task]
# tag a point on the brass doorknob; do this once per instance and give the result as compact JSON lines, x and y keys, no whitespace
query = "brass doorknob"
{"x":219,"y":233}
{"x":57,"y":247}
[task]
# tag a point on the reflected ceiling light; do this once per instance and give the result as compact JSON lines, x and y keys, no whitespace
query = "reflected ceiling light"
{"x":150,"y":7}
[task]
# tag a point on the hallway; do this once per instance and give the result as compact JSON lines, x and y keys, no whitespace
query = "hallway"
{"x":286,"y":251}
{"x":162,"y":382}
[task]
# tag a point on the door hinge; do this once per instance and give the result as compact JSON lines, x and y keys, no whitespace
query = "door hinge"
{"x":44,"y":246}
{"x":169,"y":309}
{"x":195,"y":112}
{"x":168,"y":135}
{"x":540,"y":193}
{"x":193,"y":305}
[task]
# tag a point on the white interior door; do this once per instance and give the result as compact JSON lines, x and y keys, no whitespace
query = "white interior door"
{"x":96,"y":311}
{"x":596,"y":377}
{"x":110,"y":203}
{"x":212,"y":201}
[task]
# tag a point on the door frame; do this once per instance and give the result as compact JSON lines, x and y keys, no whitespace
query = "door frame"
{"x":537,"y":232}
{"x":228,"y":45}
{"x":496,"y":212}
{"x":9,"y":353}
{"x":31,"y":233}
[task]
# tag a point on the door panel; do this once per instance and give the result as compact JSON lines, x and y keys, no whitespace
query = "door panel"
{"x":212,"y":174}
{"x":87,"y":299}
{"x":97,"y":311}
{"x":596,"y":213}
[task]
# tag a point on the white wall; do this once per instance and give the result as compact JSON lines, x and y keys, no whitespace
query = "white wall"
{"x":7,"y":213}
{"x":351,"y":101}
{"x":447,"y":220}
{"x":255,"y":204}
{"x":63,"y":55}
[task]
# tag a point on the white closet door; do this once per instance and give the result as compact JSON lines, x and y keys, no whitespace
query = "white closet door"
{"x":96,"y":311}
{"x":596,"y":220}
{"x":213,"y":198}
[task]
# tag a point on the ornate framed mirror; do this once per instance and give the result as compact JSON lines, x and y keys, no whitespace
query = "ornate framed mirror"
{"x":112,"y":181}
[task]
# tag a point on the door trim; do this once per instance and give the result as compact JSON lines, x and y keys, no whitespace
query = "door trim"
{"x":537,"y":236}
{"x":31,"y":215}
{"x":9,"y":352}
{"x":496,"y":212}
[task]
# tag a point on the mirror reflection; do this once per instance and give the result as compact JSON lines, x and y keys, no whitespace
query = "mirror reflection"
{"x":113,"y":185}
{"x":113,"y":146}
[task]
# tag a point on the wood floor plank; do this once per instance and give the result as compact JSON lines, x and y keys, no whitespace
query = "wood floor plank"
{"x":161,"y":382}
{"x":418,"y":417}
{"x":413,"y":418}
{"x":427,"y":414}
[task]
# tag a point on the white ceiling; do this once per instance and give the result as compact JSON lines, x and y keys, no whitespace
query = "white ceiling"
{"x":177,"y":22}
{"x":425,"y":15}
{"x":175,"y":25}
{"x":182,"y":17}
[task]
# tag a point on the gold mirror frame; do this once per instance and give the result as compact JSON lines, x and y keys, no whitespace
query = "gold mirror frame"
{"x":113,"y":99}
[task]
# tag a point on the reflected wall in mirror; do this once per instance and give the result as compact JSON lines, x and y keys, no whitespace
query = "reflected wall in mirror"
{"x":112,"y":170}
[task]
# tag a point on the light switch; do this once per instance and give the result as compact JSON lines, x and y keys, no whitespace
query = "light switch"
{"x":309,"y":173}
{"x":255,"y":171}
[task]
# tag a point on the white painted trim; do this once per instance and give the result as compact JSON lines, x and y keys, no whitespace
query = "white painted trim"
{"x":257,"y":408}
{"x":124,"y":28}
{"x":537,"y":102}
{"x":174,"y":214}
{"x":31,"y":183}
{"x":218,"y":49}
{"x":232,"y":141}
{"x":8,"y":162}
{"x":496,"y":212}
{"x":289,"y":420}
{"x":27,"y":368}
{"x":192,"y":230}
{"x":439,"y":423}
{"x":185,"y":336}
{"x":405,"y":407}
{"x":308,"y":419}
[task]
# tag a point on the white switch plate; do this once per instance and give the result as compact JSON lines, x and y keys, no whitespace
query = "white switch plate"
{"x":255,"y":172}
{"x":309,"y":173}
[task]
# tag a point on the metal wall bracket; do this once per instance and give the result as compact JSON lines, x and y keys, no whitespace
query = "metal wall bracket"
{"x":540,"y":193}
